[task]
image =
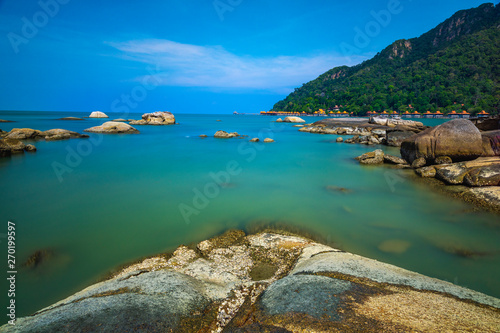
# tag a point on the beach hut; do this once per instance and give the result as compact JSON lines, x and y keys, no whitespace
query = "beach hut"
{"x":416,"y":114}
{"x":438,"y":114}
{"x":465,"y":114}
{"x":428,"y":114}
{"x":453,"y":115}
{"x":483,"y":114}
{"x":406,"y":114}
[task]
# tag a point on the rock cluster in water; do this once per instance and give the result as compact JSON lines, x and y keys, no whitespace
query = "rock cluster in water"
{"x":10,"y":142}
{"x":266,"y":282}
{"x":155,"y":118}
{"x":457,"y":153}
{"x":375,"y":131}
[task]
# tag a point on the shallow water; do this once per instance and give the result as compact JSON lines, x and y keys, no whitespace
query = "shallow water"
{"x":117,"y":198}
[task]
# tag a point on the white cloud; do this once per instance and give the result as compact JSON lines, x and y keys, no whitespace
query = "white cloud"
{"x":213,"y":67}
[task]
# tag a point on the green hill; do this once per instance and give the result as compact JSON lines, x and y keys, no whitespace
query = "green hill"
{"x":456,"y":63}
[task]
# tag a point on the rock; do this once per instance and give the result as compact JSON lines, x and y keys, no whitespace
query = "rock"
{"x":394,"y":246}
{"x":339,"y":189}
{"x":98,"y":114}
{"x":266,"y":283}
{"x":426,"y":172}
{"x":120,"y":120}
{"x":11,"y":146}
{"x":268,"y":140}
{"x":14,"y":145}
{"x":378,"y":121}
{"x":340,"y":140}
{"x":30,"y":148}
{"x":380,"y":132}
{"x":112,"y":127}
{"x":459,"y":139}
{"x":374,"y":157}
{"x":395,"y":137}
{"x":234,"y":134}
{"x":316,"y":296}
{"x":298,"y":125}
{"x":483,"y":176}
{"x":255,"y":140}
{"x":279,"y":120}
{"x":491,"y":143}
{"x":5,"y":121}
{"x":203,"y":136}
{"x":293,"y":120}
{"x":483,"y":171}
{"x":24,"y":134}
{"x":155,"y":118}
{"x":224,"y":135}
{"x":418,"y":163}
{"x":70,"y":118}
{"x":393,"y":159}
{"x":37,"y":258}
{"x":484,"y":196}
{"x":61,"y":134}
{"x":443,"y":160}
{"x":354,"y":139}
{"x":487,"y":124}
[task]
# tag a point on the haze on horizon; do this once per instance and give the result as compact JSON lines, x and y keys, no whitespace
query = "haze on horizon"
{"x":215,"y":56}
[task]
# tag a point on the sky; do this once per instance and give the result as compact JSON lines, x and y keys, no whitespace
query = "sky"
{"x":190,"y":56}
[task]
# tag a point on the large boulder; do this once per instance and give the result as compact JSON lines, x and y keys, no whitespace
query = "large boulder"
{"x":459,"y":139}
{"x":491,"y":143}
{"x":395,"y":136}
{"x":112,"y":127}
{"x":24,"y":134}
{"x":98,"y":114}
{"x":294,"y":120}
{"x":488,"y":124}
{"x":155,"y":118}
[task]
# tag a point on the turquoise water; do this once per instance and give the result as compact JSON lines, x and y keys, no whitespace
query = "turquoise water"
{"x":116,"y":198}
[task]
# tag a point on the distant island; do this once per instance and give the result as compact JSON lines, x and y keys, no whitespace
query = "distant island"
{"x":451,"y":69}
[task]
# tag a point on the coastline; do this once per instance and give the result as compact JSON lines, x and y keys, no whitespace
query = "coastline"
{"x":268,"y":282}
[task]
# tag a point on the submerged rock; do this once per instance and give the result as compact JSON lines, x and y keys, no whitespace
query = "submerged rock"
{"x":30,"y":148}
{"x":5,"y":121}
{"x":112,"y":127}
{"x":394,"y":246}
{"x":70,"y":118}
{"x":37,"y":258}
{"x":333,"y":188}
{"x":98,"y":114}
{"x":459,"y":139}
{"x":155,"y":118}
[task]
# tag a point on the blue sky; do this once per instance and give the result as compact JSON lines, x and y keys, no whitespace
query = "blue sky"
{"x":200,"y":56}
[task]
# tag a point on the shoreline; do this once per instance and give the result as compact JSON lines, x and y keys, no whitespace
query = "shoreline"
{"x":285,"y":283}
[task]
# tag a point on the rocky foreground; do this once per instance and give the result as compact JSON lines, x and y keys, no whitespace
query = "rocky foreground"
{"x":266,"y":283}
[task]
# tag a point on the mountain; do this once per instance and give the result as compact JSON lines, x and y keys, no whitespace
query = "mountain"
{"x":455,"y":66}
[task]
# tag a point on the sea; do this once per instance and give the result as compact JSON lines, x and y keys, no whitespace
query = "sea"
{"x":95,"y":204}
